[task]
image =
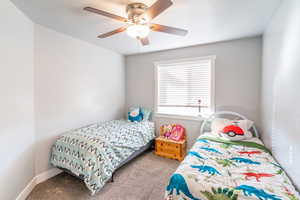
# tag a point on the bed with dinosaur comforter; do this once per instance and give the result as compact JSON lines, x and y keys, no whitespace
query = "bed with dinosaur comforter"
{"x":217,"y":169}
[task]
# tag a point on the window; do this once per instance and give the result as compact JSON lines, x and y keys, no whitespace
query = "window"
{"x":185,"y":87}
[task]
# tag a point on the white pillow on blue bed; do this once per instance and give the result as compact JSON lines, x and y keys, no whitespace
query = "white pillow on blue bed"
{"x":146,"y":114}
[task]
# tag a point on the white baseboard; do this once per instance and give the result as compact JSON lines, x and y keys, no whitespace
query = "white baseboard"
{"x":27,"y":190}
{"x":46,"y":175}
{"x":36,"y":180}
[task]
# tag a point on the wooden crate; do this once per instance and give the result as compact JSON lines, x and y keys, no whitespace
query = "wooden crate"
{"x":170,"y":148}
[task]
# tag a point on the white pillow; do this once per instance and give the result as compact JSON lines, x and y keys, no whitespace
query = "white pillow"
{"x":232,"y":129}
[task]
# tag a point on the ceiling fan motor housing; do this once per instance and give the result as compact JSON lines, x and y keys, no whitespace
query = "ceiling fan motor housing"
{"x":138,"y":21}
{"x":134,"y":11}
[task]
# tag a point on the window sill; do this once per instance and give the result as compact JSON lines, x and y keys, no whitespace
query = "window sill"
{"x":182,"y":117}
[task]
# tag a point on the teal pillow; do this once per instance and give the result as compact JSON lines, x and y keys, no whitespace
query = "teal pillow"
{"x":146,"y":114}
{"x":135,"y":115}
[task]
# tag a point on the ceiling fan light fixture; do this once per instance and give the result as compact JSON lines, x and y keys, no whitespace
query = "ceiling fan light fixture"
{"x":138,"y":23}
{"x":138,"y":30}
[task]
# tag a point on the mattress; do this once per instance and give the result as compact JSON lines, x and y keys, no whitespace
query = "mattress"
{"x":216,"y":169}
{"x":95,"y":151}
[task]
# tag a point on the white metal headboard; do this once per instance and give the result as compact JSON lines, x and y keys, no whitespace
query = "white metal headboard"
{"x":233,"y":115}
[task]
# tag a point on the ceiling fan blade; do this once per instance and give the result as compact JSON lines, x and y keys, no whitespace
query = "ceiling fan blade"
{"x":157,"y":8}
{"x":168,"y":29}
{"x":119,"y":30}
{"x":144,"y":41}
{"x":106,"y":14}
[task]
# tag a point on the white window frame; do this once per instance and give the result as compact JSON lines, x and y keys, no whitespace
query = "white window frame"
{"x":212,"y":58}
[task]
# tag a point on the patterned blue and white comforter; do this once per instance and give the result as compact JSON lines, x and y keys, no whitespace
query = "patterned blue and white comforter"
{"x":95,"y":151}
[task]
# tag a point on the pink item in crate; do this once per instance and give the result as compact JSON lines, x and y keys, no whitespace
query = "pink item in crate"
{"x":177,"y":133}
{"x":167,"y":134}
{"x":165,"y":130}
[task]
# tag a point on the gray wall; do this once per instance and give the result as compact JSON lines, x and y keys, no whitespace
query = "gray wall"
{"x":49,"y":83}
{"x":281,"y":87}
{"x":16,"y":101}
{"x":238,"y":75}
{"x":76,"y":83}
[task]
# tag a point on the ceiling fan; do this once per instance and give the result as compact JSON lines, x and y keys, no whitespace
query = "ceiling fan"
{"x":138,"y":23}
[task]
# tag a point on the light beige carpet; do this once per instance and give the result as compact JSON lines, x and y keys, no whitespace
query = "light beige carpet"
{"x":144,"y":178}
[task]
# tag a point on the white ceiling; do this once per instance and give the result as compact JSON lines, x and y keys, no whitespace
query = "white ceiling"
{"x":207,"y":21}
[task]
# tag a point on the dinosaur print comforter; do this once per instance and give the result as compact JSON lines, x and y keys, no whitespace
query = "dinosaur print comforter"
{"x":219,"y":170}
{"x":95,"y":151}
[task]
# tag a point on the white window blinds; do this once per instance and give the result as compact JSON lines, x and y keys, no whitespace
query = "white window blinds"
{"x":180,"y":86}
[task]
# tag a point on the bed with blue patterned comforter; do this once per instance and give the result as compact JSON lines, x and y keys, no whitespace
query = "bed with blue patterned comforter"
{"x":215,"y":169}
{"x":95,"y":151}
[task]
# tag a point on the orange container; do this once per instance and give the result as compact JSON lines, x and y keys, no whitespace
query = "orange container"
{"x":170,"y":148}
